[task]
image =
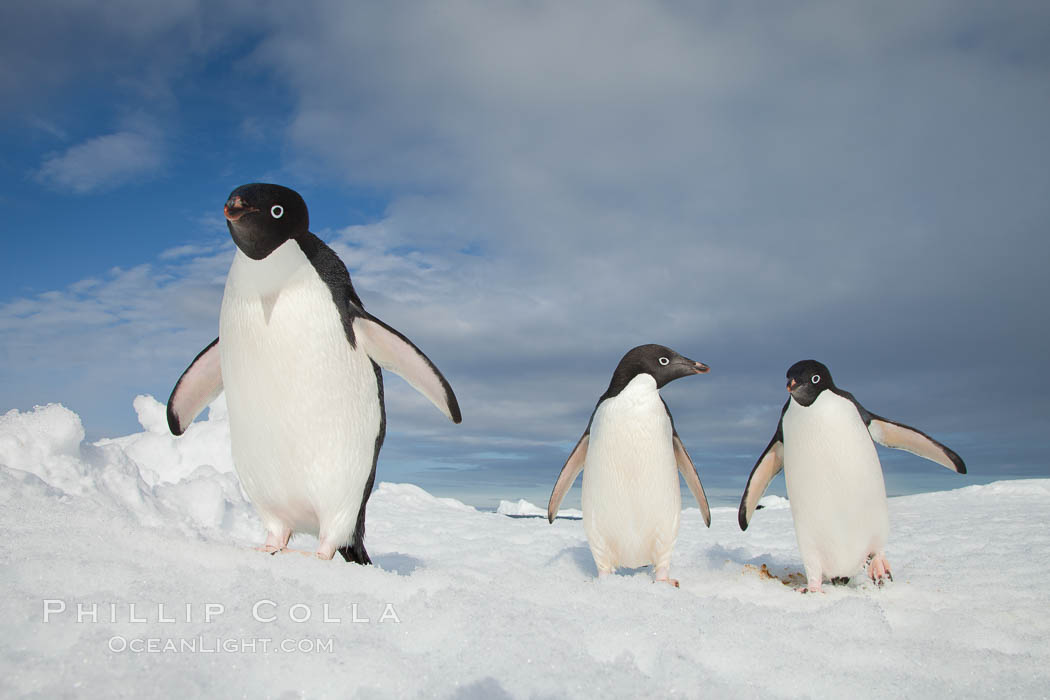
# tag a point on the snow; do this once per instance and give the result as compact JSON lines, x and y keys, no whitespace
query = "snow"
{"x":471,"y":604}
{"x":523,"y":508}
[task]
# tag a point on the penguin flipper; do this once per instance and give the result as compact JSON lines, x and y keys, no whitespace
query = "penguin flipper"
{"x":198,"y":386}
{"x":692,"y":478}
{"x":393,"y":351}
{"x":569,"y":472}
{"x":768,"y":466}
{"x":904,"y":437}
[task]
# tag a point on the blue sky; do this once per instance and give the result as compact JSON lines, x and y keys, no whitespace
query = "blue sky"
{"x":530,"y":189}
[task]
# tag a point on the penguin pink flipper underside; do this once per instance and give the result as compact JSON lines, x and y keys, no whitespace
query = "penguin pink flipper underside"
{"x":569,"y":472}
{"x":393,"y":351}
{"x":692,"y":478}
{"x":768,"y":466}
{"x":198,"y":386}
{"x":903,"y":437}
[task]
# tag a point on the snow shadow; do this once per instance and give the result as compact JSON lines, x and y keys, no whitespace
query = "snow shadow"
{"x":517,"y":516}
{"x":396,"y":562}
{"x":719,"y":556}
{"x":485,"y":689}
{"x":580,"y":556}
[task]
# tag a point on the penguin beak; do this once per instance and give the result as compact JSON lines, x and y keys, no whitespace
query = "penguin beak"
{"x":236,"y":208}
{"x":695,"y":367}
{"x":791,"y":385}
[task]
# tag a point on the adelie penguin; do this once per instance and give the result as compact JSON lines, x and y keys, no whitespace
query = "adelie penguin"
{"x":299,"y":359}
{"x":631,"y":455}
{"x":823,"y":444}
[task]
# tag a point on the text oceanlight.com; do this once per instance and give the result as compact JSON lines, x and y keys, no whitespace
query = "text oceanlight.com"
{"x":217,"y":645}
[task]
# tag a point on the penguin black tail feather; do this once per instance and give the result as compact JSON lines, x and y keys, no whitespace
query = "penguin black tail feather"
{"x":355,"y":553}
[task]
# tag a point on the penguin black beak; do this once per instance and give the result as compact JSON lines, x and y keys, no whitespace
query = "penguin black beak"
{"x":236,"y":208}
{"x":791,"y":385}
{"x":692,"y":366}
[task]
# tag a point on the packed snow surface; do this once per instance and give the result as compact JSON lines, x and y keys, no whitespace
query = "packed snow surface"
{"x":128,"y":570}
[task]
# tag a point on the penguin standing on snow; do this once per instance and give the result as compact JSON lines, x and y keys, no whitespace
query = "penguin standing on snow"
{"x":299,"y":359}
{"x":834,"y":478}
{"x":631,"y":455}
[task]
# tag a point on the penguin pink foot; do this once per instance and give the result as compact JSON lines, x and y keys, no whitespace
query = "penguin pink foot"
{"x":300,"y":552}
{"x":326,"y":550}
{"x":275,"y":542}
{"x":879,"y":570}
{"x":661,"y":576}
{"x":814,"y":584}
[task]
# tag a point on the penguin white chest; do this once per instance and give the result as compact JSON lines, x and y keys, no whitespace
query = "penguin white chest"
{"x":834,"y":484}
{"x":303,"y":404}
{"x":631,"y":497}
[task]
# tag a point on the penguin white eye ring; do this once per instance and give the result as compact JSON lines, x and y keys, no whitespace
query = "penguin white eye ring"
{"x":815,"y":379}
{"x":277,"y":211}
{"x":664,"y":361}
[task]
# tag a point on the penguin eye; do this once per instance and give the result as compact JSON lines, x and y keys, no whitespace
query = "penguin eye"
{"x":815,"y":379}
{"x":664,"y":361}
{"x":277,"y":211}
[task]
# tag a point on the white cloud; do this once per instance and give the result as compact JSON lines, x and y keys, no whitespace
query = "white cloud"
{"x":93,"y":342}
{"x":103,"y":162}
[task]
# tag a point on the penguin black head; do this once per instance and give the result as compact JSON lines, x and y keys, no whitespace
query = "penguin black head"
{"x":262,"y":217}
{"x":663,"y":363}
{"x":806,"y":379}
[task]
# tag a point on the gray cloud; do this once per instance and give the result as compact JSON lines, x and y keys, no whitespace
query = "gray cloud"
{"x":752,"y":188}
{"x":52,"y":46}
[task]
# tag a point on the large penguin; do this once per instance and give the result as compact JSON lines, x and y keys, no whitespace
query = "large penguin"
{"x":631,"y":455}
{"x":823,"y":443}
{"x":299,"y":359}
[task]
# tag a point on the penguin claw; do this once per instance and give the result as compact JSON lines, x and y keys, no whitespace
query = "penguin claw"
{"x":672,"y":581}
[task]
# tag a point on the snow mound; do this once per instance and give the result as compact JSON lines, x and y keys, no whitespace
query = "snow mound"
{"x":162,"y":457}
{"x":412,"y":497}
{"x":525,"y":508}
{"x":773,"y":502}
{"x":48,"y":442}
